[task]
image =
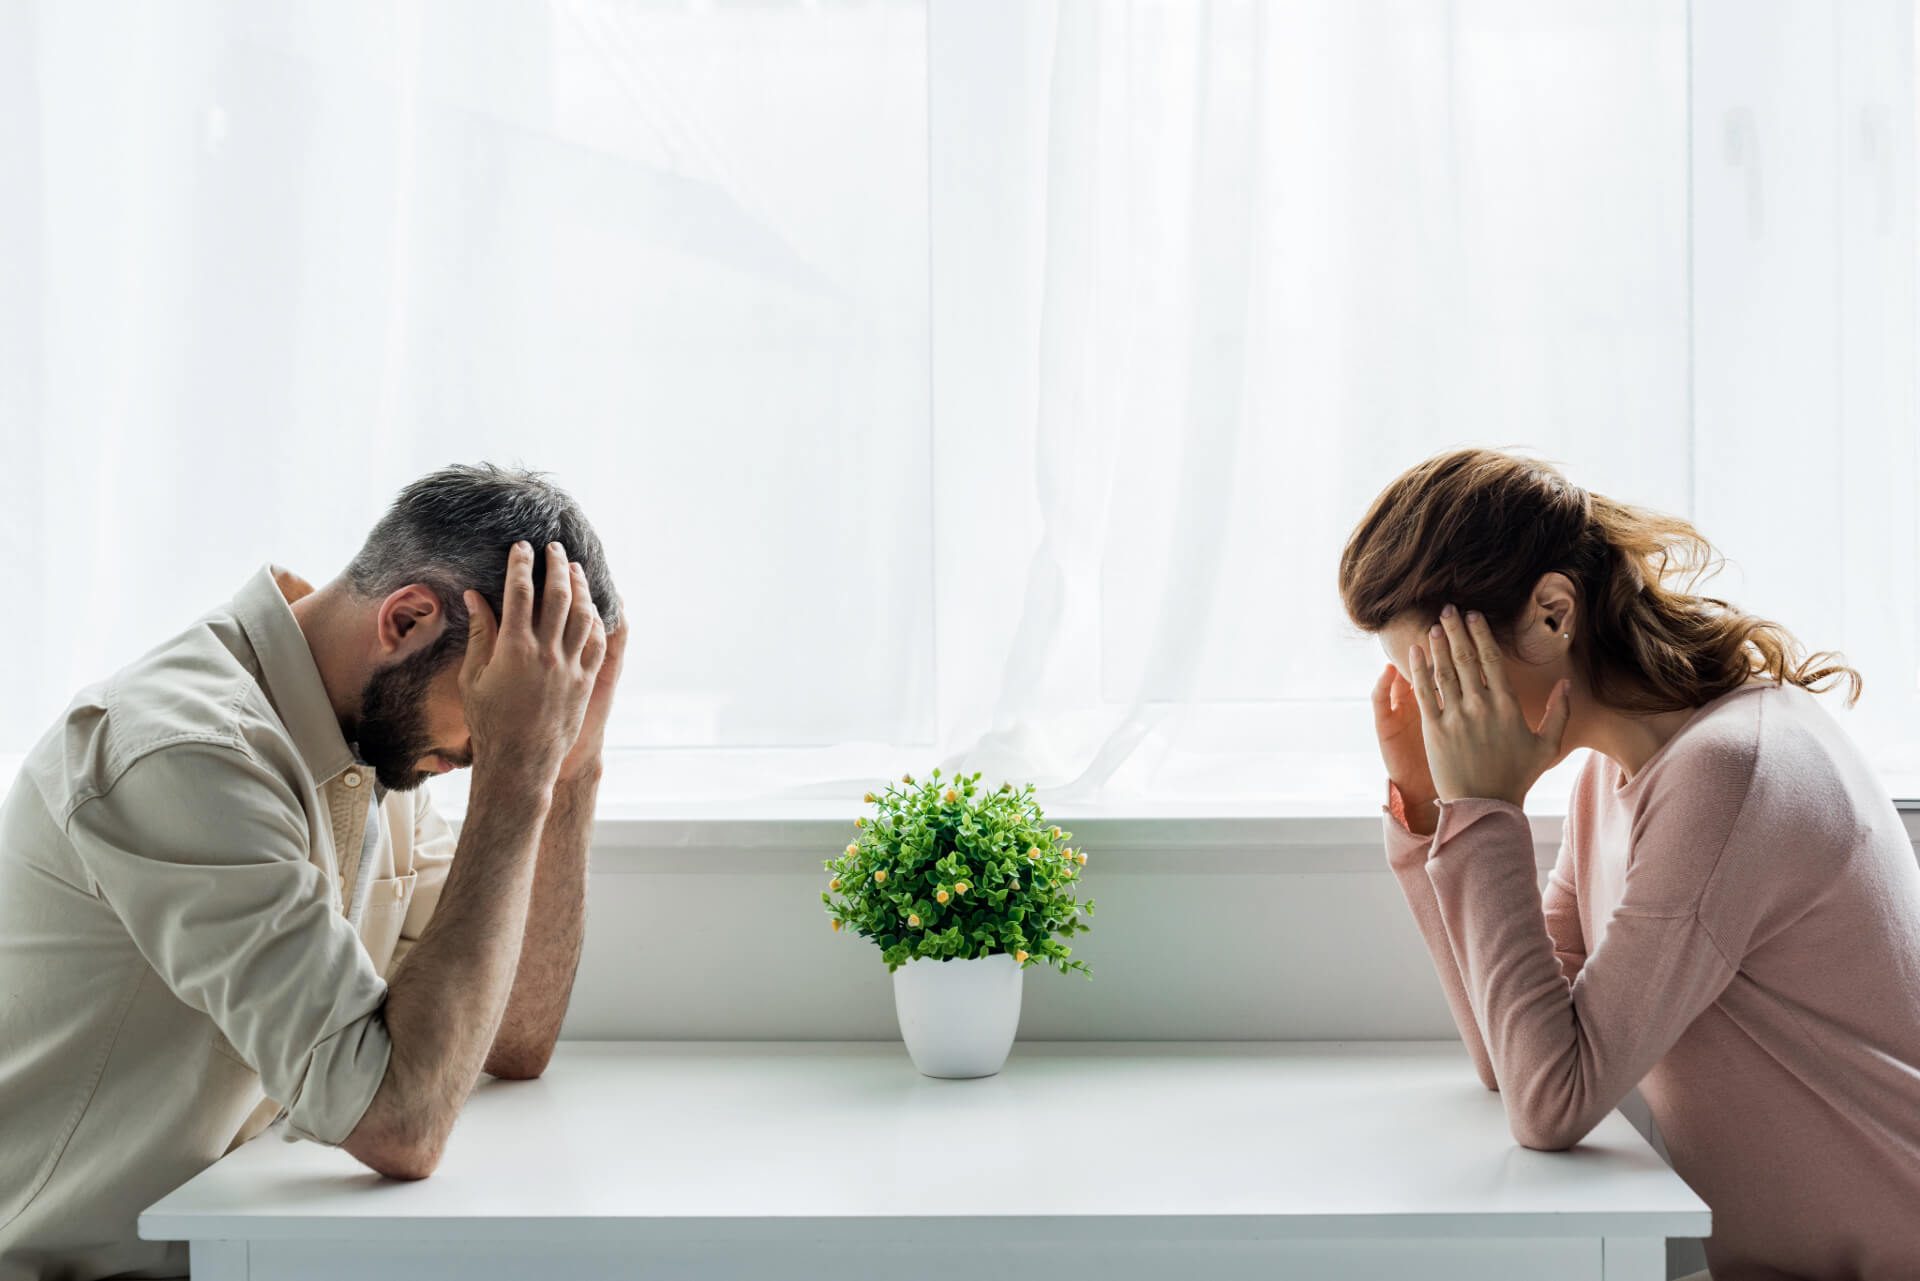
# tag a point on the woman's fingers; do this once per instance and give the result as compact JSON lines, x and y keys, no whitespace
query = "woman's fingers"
{"x":1383,"y":692}
{"x":1383,"y":698}
{"x":1462,"y":651}
{"x":1445,"y":675}
{"x":1493,"y":663}
{"x":1402,"y":691}
{"x":1553,"y":722}
{"x":1421,"y":677}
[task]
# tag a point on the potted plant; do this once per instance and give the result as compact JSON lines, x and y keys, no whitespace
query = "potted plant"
{"x":963,"y":888}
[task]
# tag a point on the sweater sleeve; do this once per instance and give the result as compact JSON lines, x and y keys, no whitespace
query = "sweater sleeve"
{"x":1561,"y":904}
{"x":1566,"y":1052}
{"x":1407,"y":856}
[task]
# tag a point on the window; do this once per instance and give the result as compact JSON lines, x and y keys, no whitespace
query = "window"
{"x":960,"y":380}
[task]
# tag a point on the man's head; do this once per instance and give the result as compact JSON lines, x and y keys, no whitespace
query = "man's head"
{"x":446,"y":534}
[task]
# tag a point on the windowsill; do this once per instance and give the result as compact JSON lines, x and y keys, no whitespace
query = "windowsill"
{"x":790,"y":836}
{"x":796,"y":836}
{"x":1105,"y":827}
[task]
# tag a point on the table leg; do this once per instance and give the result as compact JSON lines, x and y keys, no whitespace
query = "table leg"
{"x":218,"y":1260}
{"x":1629,"y":1259}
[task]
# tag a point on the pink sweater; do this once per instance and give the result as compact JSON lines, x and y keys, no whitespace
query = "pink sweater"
{"x":1737,"y":932}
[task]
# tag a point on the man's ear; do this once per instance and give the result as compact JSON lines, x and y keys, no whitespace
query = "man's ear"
{"x":409,"y":619}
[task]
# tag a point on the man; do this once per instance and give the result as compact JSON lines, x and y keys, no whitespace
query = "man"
{"x":225,"y":898}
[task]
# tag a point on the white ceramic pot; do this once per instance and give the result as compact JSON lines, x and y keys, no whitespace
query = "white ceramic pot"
{"x":958,"y":1017}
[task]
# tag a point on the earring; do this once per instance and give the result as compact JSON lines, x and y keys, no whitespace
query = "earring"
{"x":1566,"y":635}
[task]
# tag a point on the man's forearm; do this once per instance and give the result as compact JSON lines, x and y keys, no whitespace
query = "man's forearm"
{"x":556,"y":927}
{"x":445,"y":1003}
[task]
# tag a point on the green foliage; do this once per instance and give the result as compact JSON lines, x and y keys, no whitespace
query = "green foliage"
{"x":956,"y":870}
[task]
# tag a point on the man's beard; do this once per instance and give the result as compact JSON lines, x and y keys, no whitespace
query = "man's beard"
{"x":392,"y":733}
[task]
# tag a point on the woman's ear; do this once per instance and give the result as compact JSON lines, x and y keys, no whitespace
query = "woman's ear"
{"x":1548,"y":625}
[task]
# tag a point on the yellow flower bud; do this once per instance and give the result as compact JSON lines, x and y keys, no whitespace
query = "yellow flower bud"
{"x":834,"y":884}
{"x":941,"y":897}
{"x":914,"y":921}
{"x":961,"y":888}
{"x":1033,"y":851}
{"x":950,"y":796}
{"x":836,"y":927}
{"x":868,"y":798}
{"x":1081,"y":858}
{"x":1056,"y":833}
{"x":861,"y":821}
{"x":880,"y":877}
{"x":852,"y":850}
{"x":906,"y":778}
{"x":1020,"y":957}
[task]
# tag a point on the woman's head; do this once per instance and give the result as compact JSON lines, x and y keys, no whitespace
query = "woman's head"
{"x":1573,"y":583}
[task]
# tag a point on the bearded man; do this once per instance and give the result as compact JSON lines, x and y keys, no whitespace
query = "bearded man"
{"x":225,"y":898}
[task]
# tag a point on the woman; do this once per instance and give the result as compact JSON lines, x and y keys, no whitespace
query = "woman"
{"x":1733,"y":924}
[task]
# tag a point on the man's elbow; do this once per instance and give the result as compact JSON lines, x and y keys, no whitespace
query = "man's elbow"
{"x":518,"y":1065}
{"x":406,"y":1160}
{"x":396,"y":1160}
{"x":409,"y":1166}
{"x":518,"y":1057}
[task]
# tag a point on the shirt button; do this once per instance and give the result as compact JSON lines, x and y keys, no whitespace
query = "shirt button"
{"x":352,"y":779}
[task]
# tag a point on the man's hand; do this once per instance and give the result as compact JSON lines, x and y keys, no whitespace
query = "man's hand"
{"x":556,"y":913}
{"x":584,"y":760}
{"x":527,"y":688}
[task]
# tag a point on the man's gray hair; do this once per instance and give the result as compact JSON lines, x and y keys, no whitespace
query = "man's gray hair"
{"x":452,"y":530}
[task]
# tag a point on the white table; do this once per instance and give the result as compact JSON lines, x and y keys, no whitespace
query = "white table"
{"x":1112,"y":1161}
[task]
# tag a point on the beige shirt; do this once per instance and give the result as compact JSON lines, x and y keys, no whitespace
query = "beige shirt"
{"x":177,"y":856}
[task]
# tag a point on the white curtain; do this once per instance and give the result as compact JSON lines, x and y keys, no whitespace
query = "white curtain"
{"x":1212,"y":273}
{"x":987,"y":382}
{"x":266,"y":262}
{"x":1244,"y":263}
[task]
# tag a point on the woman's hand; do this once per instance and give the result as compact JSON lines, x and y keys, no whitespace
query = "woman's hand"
{"x":1396,"y":721}
{"x":1478,"y":741}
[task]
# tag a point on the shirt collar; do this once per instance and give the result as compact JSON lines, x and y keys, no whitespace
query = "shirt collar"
{"x":291,"y":677}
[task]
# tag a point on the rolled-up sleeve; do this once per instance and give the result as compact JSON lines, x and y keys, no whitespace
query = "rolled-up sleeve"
{"x":202,"y":852}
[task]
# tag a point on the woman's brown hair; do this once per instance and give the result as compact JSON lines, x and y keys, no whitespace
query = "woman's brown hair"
{"x":1478,"y":528}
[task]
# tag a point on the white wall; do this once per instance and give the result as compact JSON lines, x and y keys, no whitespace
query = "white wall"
{"x":724,"y":943}
{"x":1226,"y":938}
